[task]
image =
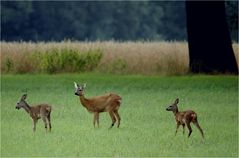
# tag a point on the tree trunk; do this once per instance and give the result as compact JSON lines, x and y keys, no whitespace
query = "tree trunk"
{"x":210,"y":48}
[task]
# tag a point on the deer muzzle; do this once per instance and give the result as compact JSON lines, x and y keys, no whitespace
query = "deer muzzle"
{"x":168,"y":109}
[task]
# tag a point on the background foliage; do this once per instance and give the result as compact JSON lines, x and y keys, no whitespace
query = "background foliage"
{"x":149,"y":58}
{"x":121,"y":20}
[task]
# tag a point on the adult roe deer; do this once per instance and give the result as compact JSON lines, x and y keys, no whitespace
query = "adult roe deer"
{"x":104,"y":103}
{"x":184,"y":118}
{"x":36,"y":112}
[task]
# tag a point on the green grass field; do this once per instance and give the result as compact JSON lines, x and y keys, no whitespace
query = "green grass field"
{"x":147,"y":129}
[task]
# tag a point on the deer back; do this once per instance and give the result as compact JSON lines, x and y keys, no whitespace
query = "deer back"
{"x":104,"y":102}
{"x":40,"y":110}
{"x":185,"y":116}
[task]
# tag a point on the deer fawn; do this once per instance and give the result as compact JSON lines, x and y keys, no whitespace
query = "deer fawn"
{"x":104,"y":103}
{"x":36,"y":112}
{"x":184,"y":117}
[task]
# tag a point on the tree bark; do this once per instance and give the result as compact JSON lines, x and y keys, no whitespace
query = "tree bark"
{"x":209,"y":42}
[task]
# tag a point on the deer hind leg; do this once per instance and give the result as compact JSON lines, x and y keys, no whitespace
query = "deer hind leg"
{"x":45,"y":122}
{"x":44,"y":114}
{"x":195,"y":122}
{"x":189,"y":128}
{"x":112,"y":118}
{"x":49,"y":121}
{"x":118,"y":117}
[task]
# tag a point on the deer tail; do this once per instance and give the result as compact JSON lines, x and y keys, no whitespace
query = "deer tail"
{"x":194,"y":117}
{"x":49,"y":108}
{"x":117,"y":97}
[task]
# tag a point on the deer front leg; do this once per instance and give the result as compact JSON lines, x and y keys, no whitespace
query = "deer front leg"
{"x":96,"y":119}
{"x":183,"y":128}
{"x":178,"y":124}
{"x":34,"y":124}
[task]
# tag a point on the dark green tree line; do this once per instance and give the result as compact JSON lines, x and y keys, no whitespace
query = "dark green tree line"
{"x":100,"y":20}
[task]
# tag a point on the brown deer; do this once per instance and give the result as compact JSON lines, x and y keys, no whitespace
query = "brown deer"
{"x":184,"y":118}
{"x":104,"y":103}
{"x":36,"y":112}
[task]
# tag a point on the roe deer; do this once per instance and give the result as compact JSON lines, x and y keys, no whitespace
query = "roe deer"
{"x":104,"y":103}
{"x":36,"y":112}
{"x":184,"y":117}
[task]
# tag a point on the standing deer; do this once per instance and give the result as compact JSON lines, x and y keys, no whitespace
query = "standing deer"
{"x":36,"y":112}
{"x":104,"y":103}
{"x":184,"y":117}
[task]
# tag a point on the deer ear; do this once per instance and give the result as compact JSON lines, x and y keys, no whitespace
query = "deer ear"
{"x":76,"y":85}
{"x":24,"y":96}
{"x":84,"y":86}
{"x":177,"y":101}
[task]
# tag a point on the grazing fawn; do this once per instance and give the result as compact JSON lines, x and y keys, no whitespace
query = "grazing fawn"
{"x":104,"y":103}
{"x":184,"y":118}
{"x":36,"y":112}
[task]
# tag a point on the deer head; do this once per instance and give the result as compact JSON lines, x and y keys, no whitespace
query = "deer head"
{"x":79,"y":89}
{"x":22,"y":102}
{"x":174,"y":106}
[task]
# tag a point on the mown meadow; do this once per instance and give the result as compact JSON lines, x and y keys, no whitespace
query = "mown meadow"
{"x":146,"y":130}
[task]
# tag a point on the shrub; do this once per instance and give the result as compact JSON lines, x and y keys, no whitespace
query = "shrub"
{"x":164,"y":58}
{"x":119,"y":66}
{"x":52,"y":61}
{"x":92,"y":59}
{"x":8,"y":64}
{"x":69,"y":60}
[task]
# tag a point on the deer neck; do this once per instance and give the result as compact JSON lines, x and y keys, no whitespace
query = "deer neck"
{"x":27,"y":108}
{"x":175,"y":112}
{"x":84,"y":101}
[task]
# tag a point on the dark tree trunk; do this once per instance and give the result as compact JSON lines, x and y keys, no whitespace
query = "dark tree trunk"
{"x":210,"y":48}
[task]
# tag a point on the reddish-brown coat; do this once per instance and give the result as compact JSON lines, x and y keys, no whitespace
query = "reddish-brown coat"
{"x":104,"y":103}
{"x":36,"y":112}
{"x":184,"y":118}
